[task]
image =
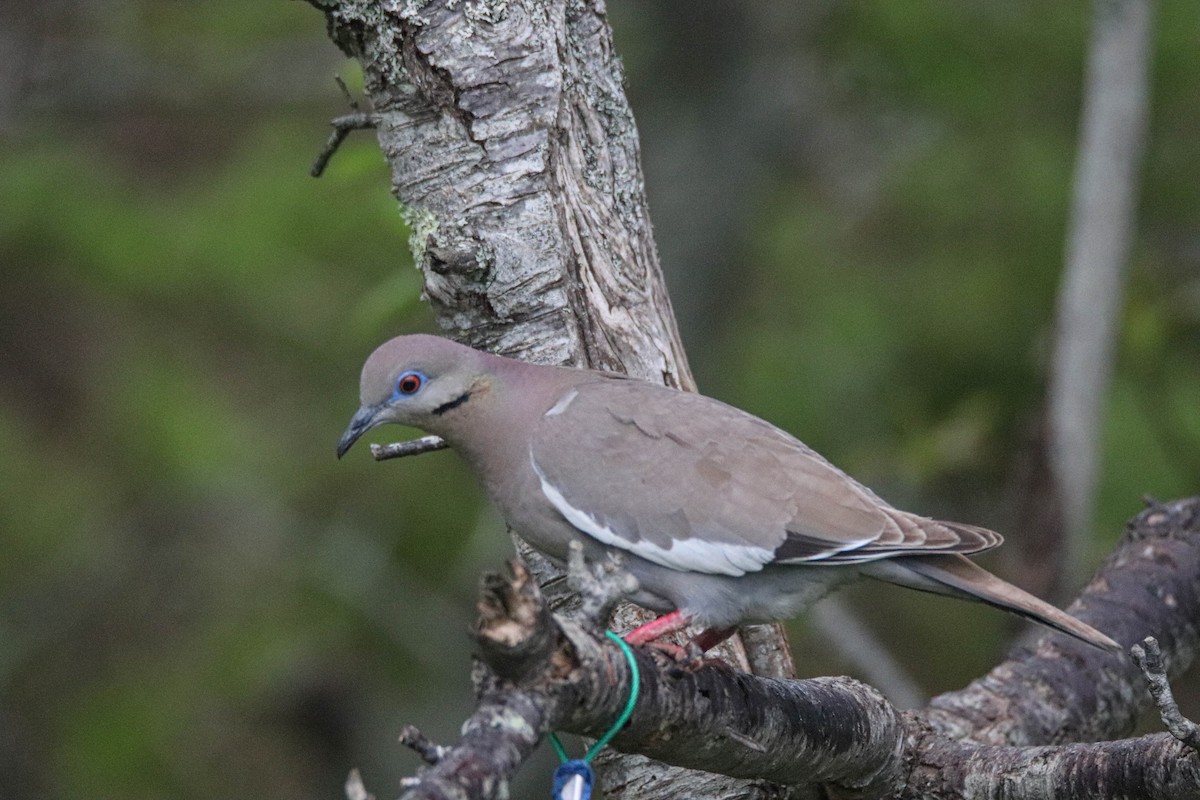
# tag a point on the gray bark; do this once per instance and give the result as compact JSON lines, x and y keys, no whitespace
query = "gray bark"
{"x":515,"y":157}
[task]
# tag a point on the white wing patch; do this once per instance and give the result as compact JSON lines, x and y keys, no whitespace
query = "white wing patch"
{"x":562,"y":404}
{"x":685,"y":555}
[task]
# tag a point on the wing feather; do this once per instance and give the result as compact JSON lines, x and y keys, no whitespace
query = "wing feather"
{"x":693,"y":484}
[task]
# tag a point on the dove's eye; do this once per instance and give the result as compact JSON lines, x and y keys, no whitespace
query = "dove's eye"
{"x":409,"y":383}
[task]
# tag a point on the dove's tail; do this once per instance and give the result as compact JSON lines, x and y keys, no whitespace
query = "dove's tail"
{"x":958,"y":576}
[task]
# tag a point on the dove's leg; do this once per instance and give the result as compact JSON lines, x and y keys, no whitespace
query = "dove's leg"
{"x":675,"y":622}
{"x":657,"y":628}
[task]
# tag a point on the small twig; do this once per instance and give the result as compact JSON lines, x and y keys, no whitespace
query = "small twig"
{"x":430,"y":753}
{"x":359,"y":120}
{"x":350,"y":101}
{"x":355,"y":789}
{"x":342,"y":126}
{"x":600,"y":585}
{"x":1148,"y":657}
{"x":411,"y":447}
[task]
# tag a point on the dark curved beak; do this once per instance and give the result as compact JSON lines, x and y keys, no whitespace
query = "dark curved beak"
{"x":363,"y":421}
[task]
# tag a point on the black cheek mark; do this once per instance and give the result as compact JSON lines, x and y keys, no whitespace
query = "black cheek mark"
{"x":453,"y":404}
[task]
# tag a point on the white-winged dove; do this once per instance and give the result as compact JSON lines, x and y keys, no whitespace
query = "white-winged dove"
{"x":722,"y":517}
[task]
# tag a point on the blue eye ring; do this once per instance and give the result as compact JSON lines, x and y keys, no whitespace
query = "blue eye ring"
{"x":409,"y":383}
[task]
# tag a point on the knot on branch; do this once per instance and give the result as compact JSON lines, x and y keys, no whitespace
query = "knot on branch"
{"x":412,"y":738}
{"x":600,"y":585}
{"x":1179,"y":519}
{"x":515,"y":633}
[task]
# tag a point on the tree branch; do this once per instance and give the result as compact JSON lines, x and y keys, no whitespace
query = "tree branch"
{"x":1048,"y":690}
{"x":411,"y":447}
{"x":546,"y":672}
{"x":1148,"y":656}
{"x":342,"y":126}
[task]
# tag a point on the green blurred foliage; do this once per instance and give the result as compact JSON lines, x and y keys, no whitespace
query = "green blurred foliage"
{"x":197,"y":600}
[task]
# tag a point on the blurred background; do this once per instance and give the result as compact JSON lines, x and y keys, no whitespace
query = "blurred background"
{"x":861,"y":209}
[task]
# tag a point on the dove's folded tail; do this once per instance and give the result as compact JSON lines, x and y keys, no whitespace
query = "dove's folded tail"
{"x":958,"y":576}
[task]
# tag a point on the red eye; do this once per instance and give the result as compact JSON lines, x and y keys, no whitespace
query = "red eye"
{"x":409,"y":383}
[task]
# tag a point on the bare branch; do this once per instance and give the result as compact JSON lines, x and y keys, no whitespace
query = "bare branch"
{"x":342,"y":126}
{"x":543,"y":672}
{"x":1051,"y":689}
{"x":430,"y":753}
{"x":412,"y":447}
{"x":1148,"y":657}
{"x":698,"y":718}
